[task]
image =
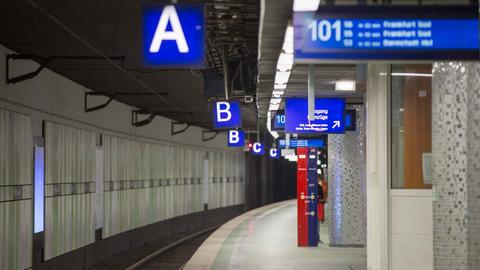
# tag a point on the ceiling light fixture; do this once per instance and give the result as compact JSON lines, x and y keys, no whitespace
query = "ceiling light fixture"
{"x":401,"y":74}
{"x":305,"y":5}
{"x":345,"y":85}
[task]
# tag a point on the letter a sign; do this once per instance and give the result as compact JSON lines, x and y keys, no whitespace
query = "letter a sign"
{"x":227,"y":115}
{"x":173,"y":36}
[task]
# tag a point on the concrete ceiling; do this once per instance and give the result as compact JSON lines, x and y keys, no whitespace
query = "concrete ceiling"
{"x":114,"y":29}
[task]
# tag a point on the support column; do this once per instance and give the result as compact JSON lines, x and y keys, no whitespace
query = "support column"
{"x":377,"y":167}
{"x":456,"y":165}
{"x":347,"y":184}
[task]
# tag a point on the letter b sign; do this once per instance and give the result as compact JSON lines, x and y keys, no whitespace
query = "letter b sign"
{"x":227,"y":115}
{"x":236,"y":138}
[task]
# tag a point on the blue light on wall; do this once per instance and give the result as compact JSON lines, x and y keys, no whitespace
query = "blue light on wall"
{"x":258,"y":149}
{"x":174,"y":36}
{"x":236,"y":138}
{"x":329,"y":116}
{"x":226,"y":114}
{"x":39,"y":195}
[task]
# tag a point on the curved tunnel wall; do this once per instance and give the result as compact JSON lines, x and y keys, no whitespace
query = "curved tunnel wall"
{"x":347,"y":184}
{"x":51,"y":113}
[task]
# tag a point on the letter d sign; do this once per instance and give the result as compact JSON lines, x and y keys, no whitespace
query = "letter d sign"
{"x":227,"y":115}
{"x":236,"y":138}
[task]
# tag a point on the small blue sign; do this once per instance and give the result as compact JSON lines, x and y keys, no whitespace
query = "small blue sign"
{"x":274,"y":153}
{"x":329,"y":116}
{"x":387,"y":33}
{"x":278,"y":121}
{"x":317,"y":143}
{"x":174,"y":36}
{"x":226,"y":114}
{"x":258,"y":149}
{"x":236,"y":138}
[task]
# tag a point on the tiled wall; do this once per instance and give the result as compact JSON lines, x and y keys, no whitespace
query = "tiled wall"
{"x":347,"y":184}
{"x":456,"y":166}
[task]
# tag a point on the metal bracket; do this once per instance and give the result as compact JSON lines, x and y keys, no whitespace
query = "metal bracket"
{"x":110,"y":97}
{"x":144,"y":122}
{"x":205,"y":132}
{"x":44,"y":61}
{"x":151,"y":116}
{"x":175,"y":132}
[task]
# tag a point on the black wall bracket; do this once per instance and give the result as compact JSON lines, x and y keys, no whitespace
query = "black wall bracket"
{"x":43,"y":62}
{"x":111,"y":97}
{"x":174,"y":131}
{"x":151,"y":115}
{"x":208,"y":135}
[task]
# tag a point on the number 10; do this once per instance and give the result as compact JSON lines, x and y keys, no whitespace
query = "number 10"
{"x":323,"y":30}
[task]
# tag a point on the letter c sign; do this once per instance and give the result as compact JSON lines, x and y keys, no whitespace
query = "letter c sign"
{"x":258,"y":149}
{"x":227,"y":115}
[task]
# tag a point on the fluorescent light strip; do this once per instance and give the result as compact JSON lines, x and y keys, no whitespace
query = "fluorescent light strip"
{"x":400,"y":74}
{"x":305,"y":5}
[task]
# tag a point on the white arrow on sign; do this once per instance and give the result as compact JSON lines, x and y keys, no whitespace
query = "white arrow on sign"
{"x":336,"y":124}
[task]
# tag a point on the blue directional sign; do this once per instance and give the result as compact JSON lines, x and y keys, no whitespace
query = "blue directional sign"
{"x":329,"y":116}
{"x":278,"y":121}
{"x":173,"y":36}
{"x":226,"y":114}
{"x":258,"y":149}
{"x":387,"y":33}
{"x":236,"y":138}
{"x":274,"y":153}
{"x":317,"y":143}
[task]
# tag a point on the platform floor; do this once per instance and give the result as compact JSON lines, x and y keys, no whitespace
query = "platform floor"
{"x":266,"y":239}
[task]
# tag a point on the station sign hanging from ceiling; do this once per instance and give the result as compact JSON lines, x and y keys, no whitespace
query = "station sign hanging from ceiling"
{"x":329,"y":116}
{"x":402,"y":33}
{"x":278,"y":121}
{"x":173,"y":36}
{"x":236,"y":138}
{"x":226,"y":114}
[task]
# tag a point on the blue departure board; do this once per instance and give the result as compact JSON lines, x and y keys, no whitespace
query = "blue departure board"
{"x":387,"y":33}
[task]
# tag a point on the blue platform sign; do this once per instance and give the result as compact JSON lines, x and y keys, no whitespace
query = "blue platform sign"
{"x":236,"y":138}
{"x":174,"y":36}
{"x":350,"y":33}
{"x":329,"y":116}
{"x":258,"y":149}
{"x":278,"y":121}
{"x":274,"y":153}
{"x":318,"y":143}
{"x":226,"y":114}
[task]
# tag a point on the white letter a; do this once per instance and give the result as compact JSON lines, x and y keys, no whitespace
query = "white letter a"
{"x":169,"y":13}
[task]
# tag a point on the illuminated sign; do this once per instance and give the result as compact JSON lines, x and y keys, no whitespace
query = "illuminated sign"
{"x":387,"y":33}
{"x":173,"y":36}
{"x":274,"y":153}
{"x":329,"y":116}
{"x":258,"y":149}
{"x":278,"y":121}
{"x":236,"y":138}
{"x":227,"y":115}
{"x":318,"y":143}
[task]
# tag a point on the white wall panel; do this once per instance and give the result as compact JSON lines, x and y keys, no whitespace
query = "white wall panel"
{"x":16,"y":148}
{"x":69,"y":188}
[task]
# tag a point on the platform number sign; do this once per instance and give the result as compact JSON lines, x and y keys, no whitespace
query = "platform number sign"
{"x":274,"y":153}
{"x":173,"y":36}
{"x":258,"y":149}
{"x":236,"y":138}
{"x":227,"y":115}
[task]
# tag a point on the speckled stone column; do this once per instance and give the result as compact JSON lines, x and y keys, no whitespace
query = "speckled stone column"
{"x":347,"y":185}
{"x":456,"y":166}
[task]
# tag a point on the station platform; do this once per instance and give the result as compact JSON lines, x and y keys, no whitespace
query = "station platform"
{"x":266,"y":238}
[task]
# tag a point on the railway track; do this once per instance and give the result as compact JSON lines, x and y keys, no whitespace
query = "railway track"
{"x":175,"y":255}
